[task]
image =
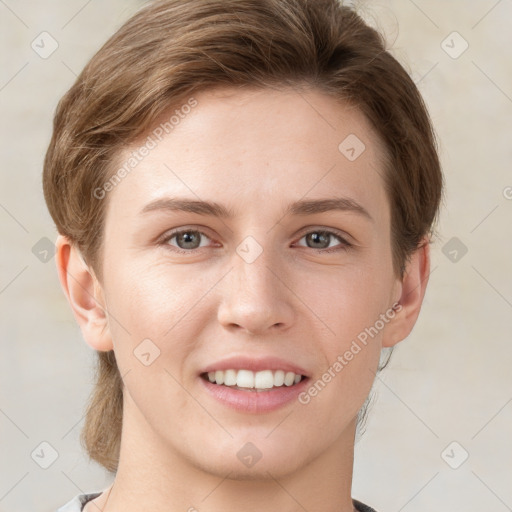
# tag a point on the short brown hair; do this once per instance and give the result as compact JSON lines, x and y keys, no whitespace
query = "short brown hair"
{"x":171,"y":49}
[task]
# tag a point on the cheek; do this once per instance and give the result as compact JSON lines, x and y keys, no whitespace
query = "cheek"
{"x":347,"y":299}
{"x":348,"y":305}
{"x":153,"y":327}
{"x":154,"y":296}
{"x":151,"y":310}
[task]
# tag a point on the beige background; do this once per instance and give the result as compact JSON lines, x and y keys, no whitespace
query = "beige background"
{"x":449,"y":381}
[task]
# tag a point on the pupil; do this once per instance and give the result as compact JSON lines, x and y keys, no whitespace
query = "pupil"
{"x":187,"y":237}
{"x":319,"y":237}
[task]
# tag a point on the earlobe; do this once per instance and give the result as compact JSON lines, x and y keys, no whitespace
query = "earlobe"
{"x":413,"y":287}
{"x":84,"y":294}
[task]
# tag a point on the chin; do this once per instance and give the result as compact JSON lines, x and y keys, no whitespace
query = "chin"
{"x":261,"y":471}
{"x":261,"y":460}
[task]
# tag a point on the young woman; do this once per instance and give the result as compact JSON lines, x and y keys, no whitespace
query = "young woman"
{"x":245,"y":193}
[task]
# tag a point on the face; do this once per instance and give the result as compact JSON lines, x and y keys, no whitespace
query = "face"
{"x":277,"y":283}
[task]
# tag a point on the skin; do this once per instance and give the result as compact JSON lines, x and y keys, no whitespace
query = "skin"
{"x":254,"y":152}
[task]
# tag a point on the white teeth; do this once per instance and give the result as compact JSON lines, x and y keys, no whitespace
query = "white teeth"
{"x":279,"y":378}
{"x":230,"y":378}
{"x":219,"y":377}
{"x":288,"y":378}
{"x":264,"y":379}
{"x":244,"y":379}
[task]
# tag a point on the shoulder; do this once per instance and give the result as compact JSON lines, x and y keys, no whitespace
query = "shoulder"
{"x":78,"y":502}
{"x":361,"y":507}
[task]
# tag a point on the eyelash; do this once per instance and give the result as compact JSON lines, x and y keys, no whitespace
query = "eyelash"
{"x":343,"y":247}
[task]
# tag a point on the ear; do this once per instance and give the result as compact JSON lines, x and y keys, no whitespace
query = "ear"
{"x":84,"y":293}
{"x":411,"y":290}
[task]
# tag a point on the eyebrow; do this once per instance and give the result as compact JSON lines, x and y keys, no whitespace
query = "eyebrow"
{"x":302,"y":207}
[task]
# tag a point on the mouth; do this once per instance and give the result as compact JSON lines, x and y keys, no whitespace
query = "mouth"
{"x":250,"y":381}
{"x":254,"y":384}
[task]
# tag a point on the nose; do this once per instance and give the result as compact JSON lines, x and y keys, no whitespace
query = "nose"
{"x":256,"y":297}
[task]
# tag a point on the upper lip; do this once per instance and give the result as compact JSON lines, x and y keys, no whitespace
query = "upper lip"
{"x":255,"y":364}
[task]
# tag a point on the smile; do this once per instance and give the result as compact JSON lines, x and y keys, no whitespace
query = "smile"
{"x":248,"y":380}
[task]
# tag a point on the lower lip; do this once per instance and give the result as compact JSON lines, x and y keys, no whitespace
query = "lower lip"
{"x":255,"y":401}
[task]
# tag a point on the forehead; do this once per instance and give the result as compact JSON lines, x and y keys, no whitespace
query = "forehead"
{"x":261,"y":144}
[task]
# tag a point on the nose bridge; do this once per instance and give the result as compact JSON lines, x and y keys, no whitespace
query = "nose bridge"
{"x":254,"y":298}
{"x":252,"y":267}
